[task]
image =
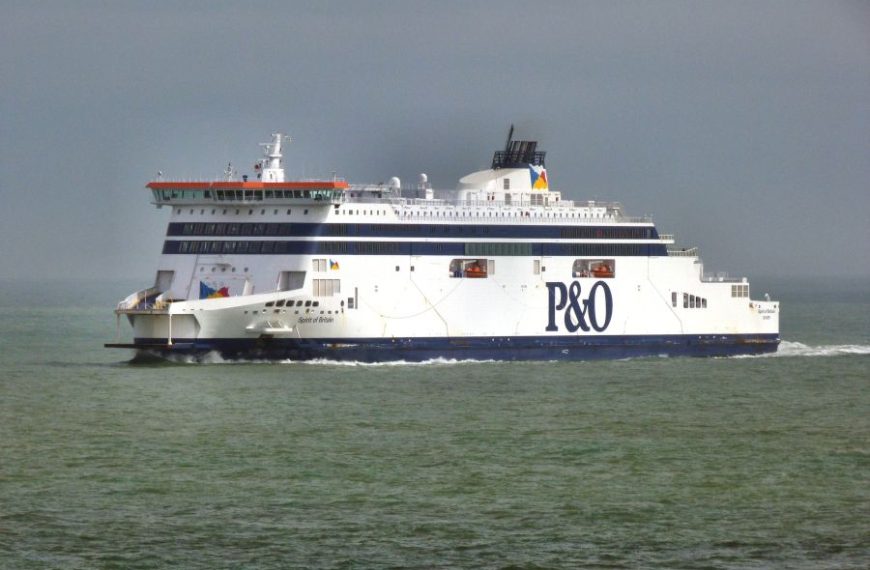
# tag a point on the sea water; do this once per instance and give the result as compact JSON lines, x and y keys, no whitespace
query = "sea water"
{"x":756,"y":462}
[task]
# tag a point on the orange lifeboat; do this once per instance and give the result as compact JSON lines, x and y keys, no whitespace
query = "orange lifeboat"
{"x":603,"y":270}
{"x":475,"y":271}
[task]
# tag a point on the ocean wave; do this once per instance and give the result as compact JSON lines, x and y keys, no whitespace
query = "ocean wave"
{"x":214,"y":357}
{"x":429,"y":362}
{"x":792,"y":348}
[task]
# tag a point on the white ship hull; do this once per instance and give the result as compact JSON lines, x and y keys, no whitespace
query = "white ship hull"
{"x":361,"y":277}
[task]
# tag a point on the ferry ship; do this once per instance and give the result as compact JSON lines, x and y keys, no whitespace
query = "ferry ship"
{"x":501,"y":267}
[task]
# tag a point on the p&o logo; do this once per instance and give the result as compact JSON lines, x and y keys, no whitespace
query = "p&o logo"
{"x":580,"y":313}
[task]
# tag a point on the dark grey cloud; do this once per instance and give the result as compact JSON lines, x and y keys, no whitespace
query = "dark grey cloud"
{"x":743,"y":127}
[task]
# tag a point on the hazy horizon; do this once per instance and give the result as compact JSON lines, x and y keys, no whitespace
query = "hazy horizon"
{"x":743,"y":128}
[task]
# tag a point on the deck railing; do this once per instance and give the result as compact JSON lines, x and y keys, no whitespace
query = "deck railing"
{"x":683,"y":252}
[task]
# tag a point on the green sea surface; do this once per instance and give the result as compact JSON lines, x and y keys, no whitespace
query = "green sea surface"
{"x":754,"y":462}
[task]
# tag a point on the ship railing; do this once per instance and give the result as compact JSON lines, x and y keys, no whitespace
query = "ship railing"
{"x":683,"y":252}
{"x":531,"y":216}
{"x":614,"y":208}
{"x":140,"y":300}
{"x":666,"y":237}
{"x":721,"y":277}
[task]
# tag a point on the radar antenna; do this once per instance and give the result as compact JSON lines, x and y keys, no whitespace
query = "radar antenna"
{"x":229,"y":172}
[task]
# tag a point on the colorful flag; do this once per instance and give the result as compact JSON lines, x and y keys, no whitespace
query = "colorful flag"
{"x":206,"y":292}
{"x":539,"y":177}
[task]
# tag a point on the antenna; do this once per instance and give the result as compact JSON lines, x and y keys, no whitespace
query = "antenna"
{"x":507,"y":145}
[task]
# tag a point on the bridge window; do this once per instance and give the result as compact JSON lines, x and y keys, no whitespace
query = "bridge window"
{"x":740,"y":290}
{"x":326,"y":287}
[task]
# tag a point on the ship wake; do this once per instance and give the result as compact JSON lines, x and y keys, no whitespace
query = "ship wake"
{"x":793,"y":349}
{"x":215,"y":357}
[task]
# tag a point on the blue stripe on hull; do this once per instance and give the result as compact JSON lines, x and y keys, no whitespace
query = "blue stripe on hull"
{"x":469,"y":348}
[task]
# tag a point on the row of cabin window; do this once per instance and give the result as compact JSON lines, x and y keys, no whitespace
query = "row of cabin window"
{"x":238,"y":211}
{"x":689,"y":301}
{"x":286,"y":229}
{"x":465,"y":213}
{"x":399,"y":248}
{"x":587,"y":232}
{"x":257,"y":247}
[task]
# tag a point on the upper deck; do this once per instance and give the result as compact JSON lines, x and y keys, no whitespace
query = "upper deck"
{"x":514,"y":190}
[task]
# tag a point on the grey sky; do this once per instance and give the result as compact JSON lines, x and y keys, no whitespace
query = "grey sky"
{"x":742,"y":127}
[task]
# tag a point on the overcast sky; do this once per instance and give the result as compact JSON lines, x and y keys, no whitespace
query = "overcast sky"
{"x":742,"y":127}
